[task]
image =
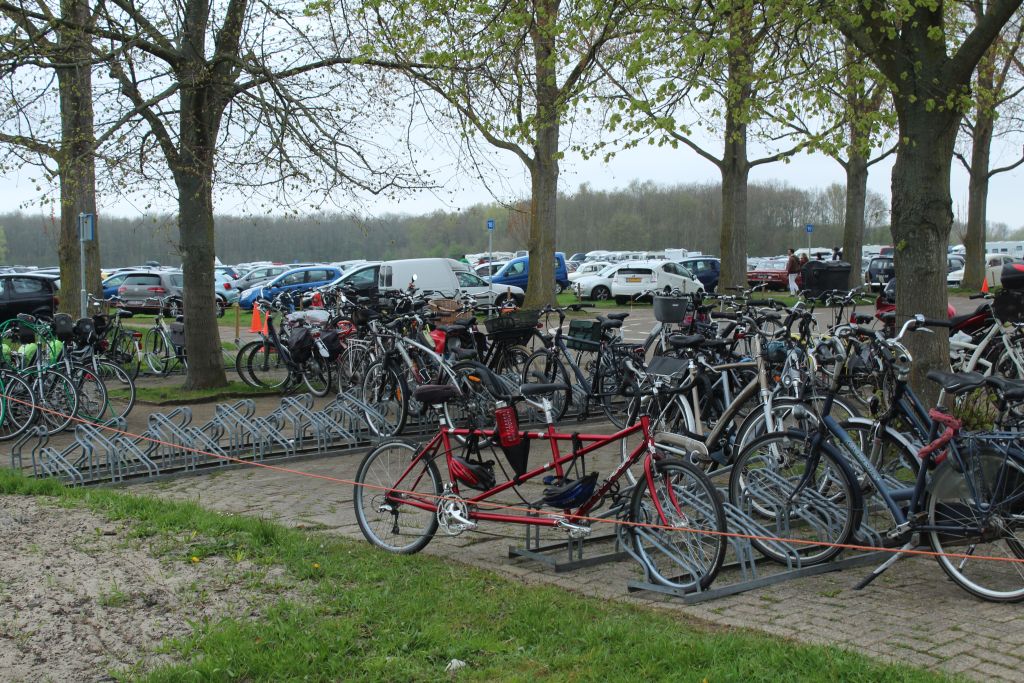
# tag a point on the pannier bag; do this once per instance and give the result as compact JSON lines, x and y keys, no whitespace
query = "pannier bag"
{"x":332,"y":341}
{"x":63,"y":327}
{"x":1012,"y":276}
{"x":178,"y":334}
{"x":300,"y":343}
{"x":1008,"y":305}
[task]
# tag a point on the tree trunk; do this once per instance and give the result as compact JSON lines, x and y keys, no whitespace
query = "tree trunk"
{"x":922,"y":217}
{"x":977,"y":204}
{"x":735,"y":172}
{"x":544,"y":167}
{"x":76,"y":166}
{"x":853,"y":228}
{"x":195,"y":230}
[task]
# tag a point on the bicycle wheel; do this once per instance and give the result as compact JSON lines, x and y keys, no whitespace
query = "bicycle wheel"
{"x":352,"y":364}
{"x":125,"y":354}
{"x":385,"y":487}
{"x":476,"y":409}
{"x":316,"y":375}
{"x":986,"y":523}
{"x":92,"y":394}
{"x":509,"y":362}
{"x":265,"y":366}
{"x":19,"y":406}
{"x":790,"y":413}
{"x":682,"y":497}
{"x":120,"y":390}
{"x":668,"y":414}
{"x":812,"y":501}
{"x":56,"y":397}
{"x":158,"y":352}
{"x":542,"y":367}
{"x":242,"y":361}
{"x":387,"y":395}
{"x":609,"y":383}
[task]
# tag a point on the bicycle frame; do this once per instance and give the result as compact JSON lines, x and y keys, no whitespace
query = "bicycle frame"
{"x":442,"y":440}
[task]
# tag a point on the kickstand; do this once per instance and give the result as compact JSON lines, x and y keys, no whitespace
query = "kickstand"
{"x":882,"y":567}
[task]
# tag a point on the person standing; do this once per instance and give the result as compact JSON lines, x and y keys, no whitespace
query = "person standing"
{"x":792,"y":270}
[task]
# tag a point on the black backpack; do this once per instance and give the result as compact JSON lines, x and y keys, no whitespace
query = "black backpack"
{"x":300,"y":343}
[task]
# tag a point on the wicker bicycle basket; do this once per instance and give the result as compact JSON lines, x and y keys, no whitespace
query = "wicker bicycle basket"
{"x":446,"y":311}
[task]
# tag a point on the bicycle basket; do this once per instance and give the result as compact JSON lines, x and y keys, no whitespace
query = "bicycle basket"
{"x":445,"y":311}
{"x":1008,"y":306}
{"x":300,"y":343}
{"x":517,"y":325}
{"x":63,"y":327}
{"x":670,"y":309}
{"x":584,"y":335}
{"x":667,"y":366}
{"x":177,"y":334}
{"x":84,"y":330}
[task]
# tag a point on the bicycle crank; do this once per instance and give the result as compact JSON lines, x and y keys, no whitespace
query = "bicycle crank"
{"x":453,"y":515}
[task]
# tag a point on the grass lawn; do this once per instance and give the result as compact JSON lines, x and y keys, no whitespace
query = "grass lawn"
{"x":373,"y":616}
{"x":176,"y":392}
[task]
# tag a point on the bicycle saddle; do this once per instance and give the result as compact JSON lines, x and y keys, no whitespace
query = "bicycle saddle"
{"x":685,"y":341}
{"x":616,"y":316}
{"x":1011,"y":389}
{"x":436,"y":394}
{"x":957,"y":382}
{"x":466,"y":322}
{"x":122,"y":313}
{"x":179,"y":319}
{"x":528,"y":390}
{"x":609,"y":324}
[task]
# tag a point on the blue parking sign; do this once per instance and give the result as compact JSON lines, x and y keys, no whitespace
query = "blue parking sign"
{"x":490,"y":224}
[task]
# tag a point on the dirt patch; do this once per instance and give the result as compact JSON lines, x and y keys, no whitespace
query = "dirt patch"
{"x":79,"y":599}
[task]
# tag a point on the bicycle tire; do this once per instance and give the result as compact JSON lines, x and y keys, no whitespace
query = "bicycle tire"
{"x":544,"y":367}
{"x":120,"y":390}
{"x":827,"y":512}
{"x":381,"y":470}
{"x":950,"y":502}
{"x":785,"y":416}
{"x":266,"y":368}
{"x":19,"y":406}
{"x":683,"y":497}
{"x":316,"y":375}
{"x":608,"y":382}
{"x":56,"y":398}
{"x":92,"y":393}
{"x":242,"y":362}
{"x":352,"y":364}
{"x":157,"y":351}
{"x":125,"y":354}
{"x":385,"y":392}
{"x":476,"y":408}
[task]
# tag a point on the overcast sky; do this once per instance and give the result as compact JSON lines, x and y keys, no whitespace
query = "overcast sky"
{"x":661,"y":165}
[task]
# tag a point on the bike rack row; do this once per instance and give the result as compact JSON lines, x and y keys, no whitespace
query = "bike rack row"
{"x":171,"y":442}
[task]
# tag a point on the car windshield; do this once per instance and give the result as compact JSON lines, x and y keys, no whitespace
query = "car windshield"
{"x":608,"y":270}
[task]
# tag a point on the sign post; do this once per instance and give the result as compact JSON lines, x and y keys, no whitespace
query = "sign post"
{"x":810,"y":229}
{"x":86,"y":233}
{"x":490,"y":253}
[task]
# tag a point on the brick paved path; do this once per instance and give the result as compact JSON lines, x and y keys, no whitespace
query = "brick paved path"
{"x":938,"y":626}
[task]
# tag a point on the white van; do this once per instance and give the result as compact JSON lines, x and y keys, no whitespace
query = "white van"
{"x":442,"y":277}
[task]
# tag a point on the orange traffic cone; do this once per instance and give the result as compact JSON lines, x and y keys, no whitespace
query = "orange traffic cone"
{"x":984,"y":286}
{"x":257,"y":323}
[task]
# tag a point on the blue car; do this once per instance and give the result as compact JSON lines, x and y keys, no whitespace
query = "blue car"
{"x":295,"y":280}
{"x":705,"y":269}
{"x":516,"y":273}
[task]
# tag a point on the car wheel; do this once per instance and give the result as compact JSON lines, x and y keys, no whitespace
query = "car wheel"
{"x":222,"y":306}
{"x":558,"y":288}
{"x":621,"y":300}
{"x":600,"y":293}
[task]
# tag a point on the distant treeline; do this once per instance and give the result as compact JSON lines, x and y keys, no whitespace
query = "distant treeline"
{"x":643,"y":216}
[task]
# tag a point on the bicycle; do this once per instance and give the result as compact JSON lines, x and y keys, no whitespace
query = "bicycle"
{"x":164,"y":344}
{"x":966,"y":492}
{"x":52,"y":393}
{"x":401,"y":501}
{"x":117,"y":344}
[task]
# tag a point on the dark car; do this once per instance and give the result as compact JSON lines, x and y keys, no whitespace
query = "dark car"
{"x":142,"y":289}
{"x":27,"y":293}
{"x":881,"y":270}
{"x":705,"y":269}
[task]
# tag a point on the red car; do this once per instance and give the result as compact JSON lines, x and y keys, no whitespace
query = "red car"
{"x":773,"y":275}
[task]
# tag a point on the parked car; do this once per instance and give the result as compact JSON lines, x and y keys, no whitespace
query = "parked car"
{"x":599,"y":285}
{"x":640,"y":276}
{"x":259,"y":276}
{"x":230,"y":271}
{"x":771,"y":274}
{"x":362,"y":279}
{"x":27,"y":293}
{"x":443,"y":277}
{"x":489,"y":269}
{"x":226,"y":289}
{"x":704,"y":268}
{"x":993,"y":270}
{"x":588,"y":268}
{"x":881,"y":270}
{"x":516,"y":273}
{"x":296,"y":280}
{"x":484,"y":291}
{"x":141,"y":288}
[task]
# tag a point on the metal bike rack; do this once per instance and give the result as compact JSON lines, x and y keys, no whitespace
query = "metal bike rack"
{"x":46,"y":461}
{"x":573,"y":550}
{"x":106,"y":454}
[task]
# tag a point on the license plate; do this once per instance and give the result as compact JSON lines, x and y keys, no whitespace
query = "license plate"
{"x":632,"y":279}
{"x":134,"y":303}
